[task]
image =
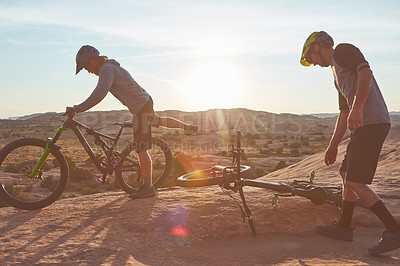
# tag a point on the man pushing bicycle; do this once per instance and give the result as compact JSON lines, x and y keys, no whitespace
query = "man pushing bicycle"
{"x":116,"y":80}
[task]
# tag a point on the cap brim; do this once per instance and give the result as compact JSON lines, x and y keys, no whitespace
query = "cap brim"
{"x":304,"y":62}
{"x":78,"y":68}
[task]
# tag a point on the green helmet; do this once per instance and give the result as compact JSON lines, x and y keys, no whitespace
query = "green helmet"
{"x":317,"y":37}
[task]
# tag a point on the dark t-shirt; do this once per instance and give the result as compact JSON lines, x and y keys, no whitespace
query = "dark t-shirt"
{"x":346,"y":62}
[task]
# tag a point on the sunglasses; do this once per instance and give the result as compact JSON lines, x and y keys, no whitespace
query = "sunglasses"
{"x":308,"y":57}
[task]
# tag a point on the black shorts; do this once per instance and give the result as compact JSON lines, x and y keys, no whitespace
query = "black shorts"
{"x":363,"y":151}
{"x":142,"y":123}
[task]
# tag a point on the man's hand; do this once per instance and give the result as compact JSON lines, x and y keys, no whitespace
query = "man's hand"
{"x":355,"y":119}
{"x":330,"y":155}
{"x":70,"y":111}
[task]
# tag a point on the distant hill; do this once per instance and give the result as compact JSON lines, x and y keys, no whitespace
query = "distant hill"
{"x":325,"y":115}
{"x":26,"y":117}
{"x":319,"y":115}
{"x":210,"y":121}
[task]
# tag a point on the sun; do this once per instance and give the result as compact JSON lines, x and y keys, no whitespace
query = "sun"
{"x":212,"y":84}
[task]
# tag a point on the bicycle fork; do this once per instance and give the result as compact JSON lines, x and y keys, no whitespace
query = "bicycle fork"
{"x":49,"y":145}
{"x":248,"y":215}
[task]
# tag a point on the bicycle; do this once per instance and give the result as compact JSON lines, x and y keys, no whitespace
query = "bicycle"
{"x":224,"y":176}
{"x":34,"y":172}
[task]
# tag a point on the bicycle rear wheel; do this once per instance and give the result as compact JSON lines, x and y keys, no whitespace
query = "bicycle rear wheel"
{"x":212,"y":176}
{"x":332,"y":194}
{"x":128,"y":175}
{"x":17,"y":159}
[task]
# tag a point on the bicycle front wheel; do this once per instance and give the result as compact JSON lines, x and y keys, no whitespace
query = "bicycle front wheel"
{"x":128,"y":175}
{"x":17,"y":159}
{"x":212,"y":176}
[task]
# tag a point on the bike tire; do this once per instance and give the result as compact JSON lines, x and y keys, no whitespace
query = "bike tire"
{"x":209,"y":177}
{"x":127,"y":174}
{"x":17,"y":159}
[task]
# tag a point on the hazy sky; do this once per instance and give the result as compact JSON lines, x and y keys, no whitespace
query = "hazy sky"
{"x":191,"y":55}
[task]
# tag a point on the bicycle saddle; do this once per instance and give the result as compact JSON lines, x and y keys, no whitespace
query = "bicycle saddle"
{"x":316,"y":194}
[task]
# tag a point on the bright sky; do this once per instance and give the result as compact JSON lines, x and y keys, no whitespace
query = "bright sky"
{"x":191,"y":55}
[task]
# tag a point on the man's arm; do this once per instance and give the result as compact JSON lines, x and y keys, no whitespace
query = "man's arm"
{"x":104,"y":84}
{"x":338,"y":134}
{"x":355,"y":119}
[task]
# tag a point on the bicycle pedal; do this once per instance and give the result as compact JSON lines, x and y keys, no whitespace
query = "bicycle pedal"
{"x":99,"y":180}
{"x":116,"y":162}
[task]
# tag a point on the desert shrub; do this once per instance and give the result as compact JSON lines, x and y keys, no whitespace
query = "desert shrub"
{"x":55,"y":163}
{"x":158,"y":165}
{"x":223,"y":153}
{"x":244,"y":156}
{"x":3,"y":204}
{"x":88,"y":191}
{"x":16,"y":192}
{"x":317,"y":133}
{"x":49,"y":182}
{"x":6,"y":135}
{"x":15,"y":168}
{"x":321,"y":139}
{"x":28,"y":188}
{"x":294,"y":152}
{"x":73,"y":195}
{"x":295,"y":145}
{"x":265,"y":152}
{"x":305,"y":143}
{"x":88,"y":161}
{"x":252,"y":136}
{"x":280,"y":165}
{"x":16,"y":134}
{"x":251,"y":142}
{"x":70,"y":162}
{"x":77,"y":174}
{"x":180,"y":163}
{"x":258,"y":172}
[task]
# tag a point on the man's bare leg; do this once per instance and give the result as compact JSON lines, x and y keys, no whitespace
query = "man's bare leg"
{"x":146,"y":166}
{"x":170,"y":122}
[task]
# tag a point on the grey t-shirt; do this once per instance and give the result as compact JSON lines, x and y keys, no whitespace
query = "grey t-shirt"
{"x":347,"y":60}
{"x":114,"y":78}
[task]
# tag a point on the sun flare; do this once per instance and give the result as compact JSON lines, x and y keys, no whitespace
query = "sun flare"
{"x":213,"y":84}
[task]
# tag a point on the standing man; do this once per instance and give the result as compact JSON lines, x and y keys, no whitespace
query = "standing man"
{"x":364,"y":112}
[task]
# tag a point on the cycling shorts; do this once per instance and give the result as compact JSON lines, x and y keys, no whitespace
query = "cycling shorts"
{"x":142,"y":123}
{"x":362,"y":154}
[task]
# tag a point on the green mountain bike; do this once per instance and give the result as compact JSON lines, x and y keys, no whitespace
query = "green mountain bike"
{"x":34,"y":172}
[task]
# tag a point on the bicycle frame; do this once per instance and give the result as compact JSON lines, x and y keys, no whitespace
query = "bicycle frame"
{"x":74,"y":126}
